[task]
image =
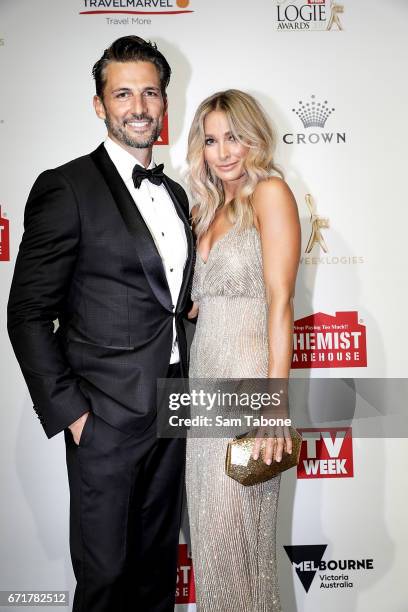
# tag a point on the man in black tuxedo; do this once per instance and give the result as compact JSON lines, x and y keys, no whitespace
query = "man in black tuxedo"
{"x":107,"y":250}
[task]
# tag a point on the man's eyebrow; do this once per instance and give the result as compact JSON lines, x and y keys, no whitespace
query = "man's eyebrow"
{"x":148,"y":87}
{"x":121,"y":89}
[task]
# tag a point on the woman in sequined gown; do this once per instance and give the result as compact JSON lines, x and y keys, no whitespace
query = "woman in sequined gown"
{"x":248,"y":237}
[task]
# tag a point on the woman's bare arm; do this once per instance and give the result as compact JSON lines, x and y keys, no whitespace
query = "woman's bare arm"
{"x":279,"y":228}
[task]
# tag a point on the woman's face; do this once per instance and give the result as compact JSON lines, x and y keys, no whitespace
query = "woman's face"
{"x":223,"y":154}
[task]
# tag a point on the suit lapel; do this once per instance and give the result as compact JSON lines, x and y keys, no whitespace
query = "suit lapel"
{"x":146,"y":248}
{"x":188,"y":268}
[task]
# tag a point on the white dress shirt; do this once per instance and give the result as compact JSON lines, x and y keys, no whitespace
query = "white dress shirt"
{"x":167,"y":229}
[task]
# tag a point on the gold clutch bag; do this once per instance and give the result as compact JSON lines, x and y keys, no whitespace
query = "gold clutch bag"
{"x":240,"y":465}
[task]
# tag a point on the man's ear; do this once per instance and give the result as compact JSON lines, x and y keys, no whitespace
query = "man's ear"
{"x":166,"y":106}
{"x":99,"y":107}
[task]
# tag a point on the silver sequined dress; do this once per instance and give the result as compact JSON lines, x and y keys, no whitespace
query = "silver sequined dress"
{"x":232,"y":527}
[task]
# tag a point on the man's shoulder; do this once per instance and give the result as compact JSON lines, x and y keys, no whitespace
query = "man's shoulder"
{"x":75,"y":168}
{"x":76,"y":174}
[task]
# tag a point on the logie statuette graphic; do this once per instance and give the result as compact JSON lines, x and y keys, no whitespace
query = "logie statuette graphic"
{"x":318,"y":223}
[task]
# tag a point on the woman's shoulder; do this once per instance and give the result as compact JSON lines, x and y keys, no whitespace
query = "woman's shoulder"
{"x":272,"y":192}
{"x":271,"y":186}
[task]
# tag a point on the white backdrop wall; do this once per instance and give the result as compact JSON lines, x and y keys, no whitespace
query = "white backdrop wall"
{"x":353,"y":165}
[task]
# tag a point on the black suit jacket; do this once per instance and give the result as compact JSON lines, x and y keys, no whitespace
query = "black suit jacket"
{"x":88,"y":259}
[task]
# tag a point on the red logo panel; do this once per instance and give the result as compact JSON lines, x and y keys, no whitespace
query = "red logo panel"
{"x":325,"y":341}
{"x":163,"y":139}
{"x":326,"y":453}
{"x":4,"y":238}
{"x":185,"y":591}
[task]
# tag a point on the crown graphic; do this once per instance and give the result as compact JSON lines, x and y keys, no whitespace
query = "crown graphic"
{"x":313,"y":113}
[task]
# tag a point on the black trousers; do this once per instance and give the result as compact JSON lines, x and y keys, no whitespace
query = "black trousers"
{"x":125,"y":511}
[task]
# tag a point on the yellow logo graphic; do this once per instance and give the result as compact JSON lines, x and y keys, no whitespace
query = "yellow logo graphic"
{"x":336,"y":9}
{"x":318,"y":223}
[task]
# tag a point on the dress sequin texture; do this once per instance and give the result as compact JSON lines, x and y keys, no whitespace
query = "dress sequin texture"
{"x":233,"y":528}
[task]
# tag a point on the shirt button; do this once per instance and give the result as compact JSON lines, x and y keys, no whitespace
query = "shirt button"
{"x":171,"y":269}
{"x":162,"y":233}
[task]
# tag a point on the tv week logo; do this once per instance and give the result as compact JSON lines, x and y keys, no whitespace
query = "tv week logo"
{"x":326,"y":453}
{"x":185,"y":590}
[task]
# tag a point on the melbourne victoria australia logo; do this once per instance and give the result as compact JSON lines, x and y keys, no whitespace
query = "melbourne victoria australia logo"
{"x":4,"y":238}
{"x":326,"y":341}
{"x":185,"y":590}
{"x":308,"y":15}
{"x":314,"y":114}
{"x":326,"y":453}
{"x":134,"y":12}
{"x":307,"y":561}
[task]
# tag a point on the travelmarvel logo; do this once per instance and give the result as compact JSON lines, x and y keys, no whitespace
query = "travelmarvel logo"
{"x":326,"y":341}
{"x":136,"y":7}
{"x":326,"y":453}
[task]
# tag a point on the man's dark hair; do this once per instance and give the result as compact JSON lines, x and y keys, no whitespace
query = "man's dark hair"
{"x":131,"y":49}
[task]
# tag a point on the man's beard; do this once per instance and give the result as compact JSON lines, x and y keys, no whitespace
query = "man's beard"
{"x":120,"y":133}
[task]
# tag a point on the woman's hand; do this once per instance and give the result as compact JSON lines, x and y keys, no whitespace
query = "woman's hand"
{"x":277,"y":441}
{"x":193,"y":313}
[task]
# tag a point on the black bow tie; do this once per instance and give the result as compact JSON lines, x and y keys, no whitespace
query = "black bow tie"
{"x":154,"y":175}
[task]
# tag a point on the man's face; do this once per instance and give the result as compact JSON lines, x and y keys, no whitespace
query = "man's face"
{"x":133,"y":106}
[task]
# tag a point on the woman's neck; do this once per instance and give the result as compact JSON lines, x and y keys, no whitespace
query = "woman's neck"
{"x":231,"y":188}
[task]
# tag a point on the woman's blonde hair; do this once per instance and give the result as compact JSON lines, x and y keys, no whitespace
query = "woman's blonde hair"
{"x":250,"y":126}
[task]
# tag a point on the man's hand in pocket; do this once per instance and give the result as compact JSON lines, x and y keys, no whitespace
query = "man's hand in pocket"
{"x":77,"y":426}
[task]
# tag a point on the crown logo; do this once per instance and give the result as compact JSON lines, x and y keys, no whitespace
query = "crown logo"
{"x":313,"y":113}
